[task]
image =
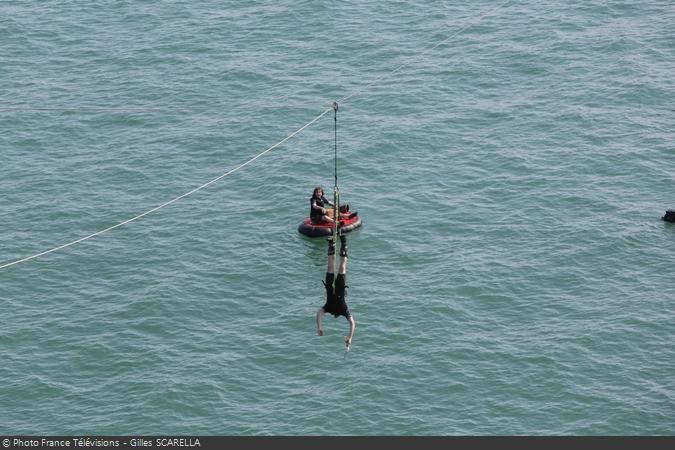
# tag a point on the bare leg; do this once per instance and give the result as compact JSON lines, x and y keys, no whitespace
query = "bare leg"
{"x":343,"y":255}
{"x":343,"y":265}
{"x":331,"y":256}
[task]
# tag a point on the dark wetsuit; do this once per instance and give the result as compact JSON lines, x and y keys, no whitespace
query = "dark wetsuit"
{"x":315,"y":214}
{"x":335,"y":301}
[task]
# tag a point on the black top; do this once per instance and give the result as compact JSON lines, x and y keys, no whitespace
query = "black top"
{"x":335,"y":298}
{"x":315,"y":204}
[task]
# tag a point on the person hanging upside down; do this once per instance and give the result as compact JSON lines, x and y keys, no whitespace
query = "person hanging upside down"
{"x":335,"y":295}
{"x":318,"y":208}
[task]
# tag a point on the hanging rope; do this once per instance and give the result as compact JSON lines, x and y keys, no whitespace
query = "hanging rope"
{"x":336,"y":191}
{"x":334,"y":108}
{"x":336,"y":195}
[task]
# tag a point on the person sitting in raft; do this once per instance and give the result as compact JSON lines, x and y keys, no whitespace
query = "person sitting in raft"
{"x":318,"y":204}
{"x":318,"y":212}
{"x":335,"y":295}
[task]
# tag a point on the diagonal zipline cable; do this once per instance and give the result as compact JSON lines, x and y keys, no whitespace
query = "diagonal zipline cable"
{"x":156,"y":208}
{"x":150,"y":211}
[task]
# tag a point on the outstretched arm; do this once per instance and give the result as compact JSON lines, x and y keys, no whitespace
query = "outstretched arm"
{"x":319,"y":317}
{"x":352,"y":328}
{"x":327,"y":202}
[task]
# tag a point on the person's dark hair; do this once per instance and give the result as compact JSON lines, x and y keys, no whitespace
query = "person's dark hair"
{"x":316,"y":189}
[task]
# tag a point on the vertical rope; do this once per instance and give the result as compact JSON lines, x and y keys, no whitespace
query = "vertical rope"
{"x":336,"y":199}
{"x":335,"y":108}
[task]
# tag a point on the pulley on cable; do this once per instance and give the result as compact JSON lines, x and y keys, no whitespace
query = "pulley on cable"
{"x":325,"y":217}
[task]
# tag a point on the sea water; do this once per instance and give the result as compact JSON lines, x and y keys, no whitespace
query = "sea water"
{"x":510,"y":162}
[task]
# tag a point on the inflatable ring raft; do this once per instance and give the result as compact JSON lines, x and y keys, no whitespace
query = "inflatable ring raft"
{"x":326,"y":228}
